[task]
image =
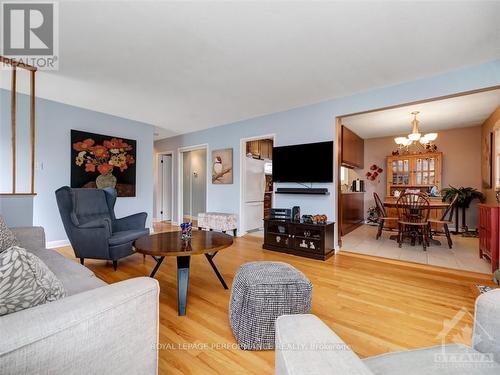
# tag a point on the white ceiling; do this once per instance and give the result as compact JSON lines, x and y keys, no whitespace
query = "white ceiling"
{"x":458,"y":112}
{"x":186,"y":66}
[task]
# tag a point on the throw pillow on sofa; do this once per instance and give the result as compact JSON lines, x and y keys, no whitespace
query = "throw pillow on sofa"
{"x":7,"y":238}
{"x":25,"y":281}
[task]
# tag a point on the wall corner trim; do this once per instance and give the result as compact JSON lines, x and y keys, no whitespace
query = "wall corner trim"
{"x":56,"y":244}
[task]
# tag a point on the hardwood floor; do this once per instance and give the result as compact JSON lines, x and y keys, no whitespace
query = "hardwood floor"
{"x":376,"y":305}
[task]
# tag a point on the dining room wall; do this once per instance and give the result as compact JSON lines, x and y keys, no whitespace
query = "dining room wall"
{"x":461,"y":148}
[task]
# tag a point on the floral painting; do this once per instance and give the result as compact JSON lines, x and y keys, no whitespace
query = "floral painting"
{"x":103,"y":161}
{"x":222,"y":166}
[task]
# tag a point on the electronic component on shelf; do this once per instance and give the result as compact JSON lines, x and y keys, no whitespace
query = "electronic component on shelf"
{"x":281,"y":214}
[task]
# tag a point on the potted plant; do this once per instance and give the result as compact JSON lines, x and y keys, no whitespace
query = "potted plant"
{"x":465,"y":197}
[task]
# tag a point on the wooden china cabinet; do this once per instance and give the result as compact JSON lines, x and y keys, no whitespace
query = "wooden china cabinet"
{"x":418,"y":171}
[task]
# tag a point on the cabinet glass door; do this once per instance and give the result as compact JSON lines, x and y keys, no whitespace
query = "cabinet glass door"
{"x":401,"y":172}
{"x":425,"y":171}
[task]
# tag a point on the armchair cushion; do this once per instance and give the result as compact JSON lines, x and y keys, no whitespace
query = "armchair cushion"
{"x":120,"y":238}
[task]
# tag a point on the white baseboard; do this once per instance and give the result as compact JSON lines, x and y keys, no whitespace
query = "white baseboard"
{"x":56,"y":244}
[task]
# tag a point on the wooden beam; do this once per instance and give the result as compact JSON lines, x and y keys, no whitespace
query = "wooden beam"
{"x":13,"y":127}
{"x":423,"y":101}
{"x":14,"y":63}
{"x":17,"y":195}
{"x":32,"y":128}
{"x":13,"y":112}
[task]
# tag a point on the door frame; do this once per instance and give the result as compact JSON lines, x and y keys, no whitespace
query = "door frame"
{"x":180,"y":151}
{"x":159,"y":186}
{"x":338,"y":147}
{"x":243,"y":153}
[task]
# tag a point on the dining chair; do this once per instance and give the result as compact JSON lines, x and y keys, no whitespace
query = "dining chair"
{"x":382,"y":215}
{"x":446,"y":219}
{"x":413,"y":215}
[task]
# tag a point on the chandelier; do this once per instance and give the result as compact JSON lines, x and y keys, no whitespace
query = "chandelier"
{"x":415,"y":137}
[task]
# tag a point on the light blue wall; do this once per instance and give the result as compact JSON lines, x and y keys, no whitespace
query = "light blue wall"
{"x":17,"y":211}
{"x":53,"y":151}
{"x":315,"y":123}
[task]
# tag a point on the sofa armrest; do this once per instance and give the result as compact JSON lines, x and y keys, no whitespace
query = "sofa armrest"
{"x":136,"y":221}
{"x":486,"y":337}
{"x":108,"y":330}
{"x":31,"y":238}
{"x":306,"y":346}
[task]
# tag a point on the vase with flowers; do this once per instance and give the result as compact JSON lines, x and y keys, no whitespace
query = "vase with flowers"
{"x":103,"y":158}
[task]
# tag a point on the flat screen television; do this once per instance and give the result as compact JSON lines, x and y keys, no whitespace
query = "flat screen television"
{"x":312,"y":162}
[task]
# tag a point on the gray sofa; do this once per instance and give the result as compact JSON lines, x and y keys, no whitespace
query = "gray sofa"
{"x":306,"y":346}
{"x":97,"y":329}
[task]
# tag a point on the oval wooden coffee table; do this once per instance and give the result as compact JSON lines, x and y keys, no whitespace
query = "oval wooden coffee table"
{"x":161,"y":245}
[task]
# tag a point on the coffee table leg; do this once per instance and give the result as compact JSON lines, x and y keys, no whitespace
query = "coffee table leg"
{"x":219,"y":276}
{"x":182,"y":283}
{"x":159,"y":260}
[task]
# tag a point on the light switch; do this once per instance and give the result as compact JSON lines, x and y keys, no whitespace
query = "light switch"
{"x":39,"y":166}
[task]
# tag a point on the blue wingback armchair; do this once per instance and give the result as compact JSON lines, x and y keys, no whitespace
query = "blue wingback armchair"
{"x":92,"y":227}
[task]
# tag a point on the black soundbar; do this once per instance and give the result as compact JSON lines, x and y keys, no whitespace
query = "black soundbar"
{"x":316,"y":191}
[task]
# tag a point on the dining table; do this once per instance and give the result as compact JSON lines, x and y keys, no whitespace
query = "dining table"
{"x":434,"y":204}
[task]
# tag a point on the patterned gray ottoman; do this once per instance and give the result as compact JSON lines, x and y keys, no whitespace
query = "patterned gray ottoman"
{"x":261,"y":292}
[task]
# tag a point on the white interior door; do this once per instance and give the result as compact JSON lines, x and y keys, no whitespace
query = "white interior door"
{"x":166,"y":187}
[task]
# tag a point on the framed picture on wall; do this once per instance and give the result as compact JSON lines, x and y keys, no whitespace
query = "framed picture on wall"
{"x":487,"y":164}
{"x":222,"y":166}
{"x":101,"y":161}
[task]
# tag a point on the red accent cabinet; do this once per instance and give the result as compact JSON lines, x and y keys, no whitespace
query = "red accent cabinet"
{"x":489,"y":233}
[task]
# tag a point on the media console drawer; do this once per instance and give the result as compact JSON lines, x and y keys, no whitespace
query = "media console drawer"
{"x":302,"y":239}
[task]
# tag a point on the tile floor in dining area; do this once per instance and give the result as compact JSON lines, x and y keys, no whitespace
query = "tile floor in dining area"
{"x":464,"y":254}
